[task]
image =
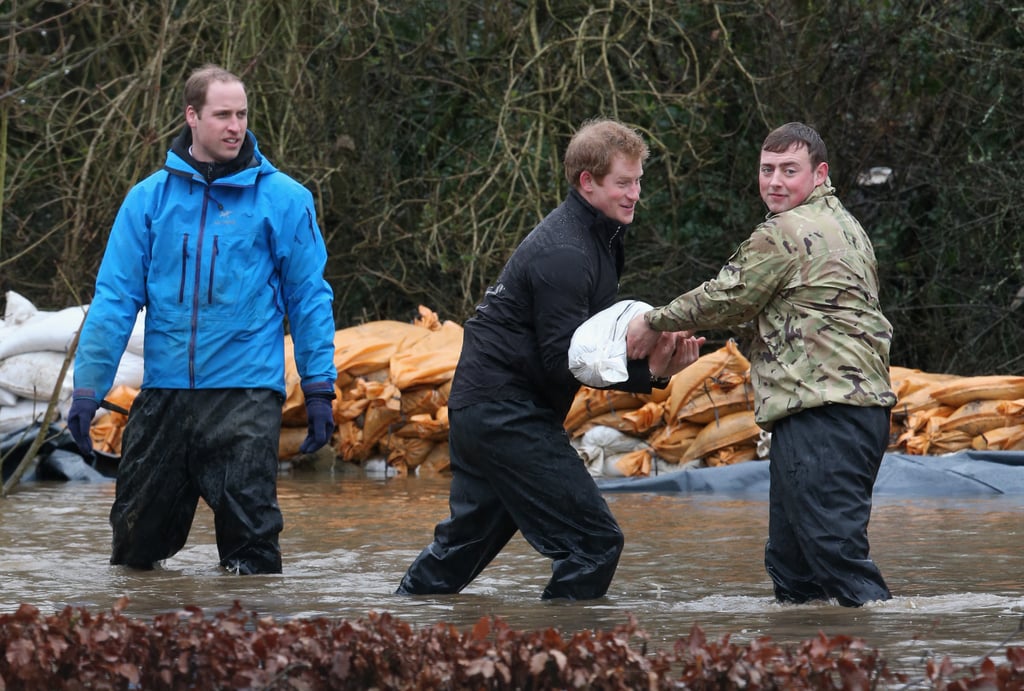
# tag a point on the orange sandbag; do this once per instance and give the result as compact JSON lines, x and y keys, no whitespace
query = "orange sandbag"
{"x":290,"y":441}
{"x":406,"y":453}
{"x":977,"y":417}
{"x":359,"y":350}
{"x":713,"y":403}
{"x":590,"y":403}
{"x":106,"y":430}
{"x":423,"y":399}
{"x":917,"y":401}
{"x":906,"y":381}
{"x":438,"y":462}
{"x":425,"y":426}
{"x":672,"y":441}
{"x":1000,"y":439}
{"x":731,"y":455}
{"x":616,"y":421}
{"x":431,"y":360}
{"x":731,"y":430}
{"x":630,"y":464}
{"x":349,"y":443}
{"x":684,"y":384}
{"x":992,"y":387}
{"x":932,"y":441}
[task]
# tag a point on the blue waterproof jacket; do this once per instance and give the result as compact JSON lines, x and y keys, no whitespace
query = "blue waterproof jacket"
{"x":218,"y":266}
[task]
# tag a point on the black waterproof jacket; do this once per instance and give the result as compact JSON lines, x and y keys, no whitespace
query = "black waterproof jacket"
{"x":516,"y":346}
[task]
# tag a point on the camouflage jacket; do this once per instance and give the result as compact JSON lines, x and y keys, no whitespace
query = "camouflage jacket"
{"x":809,"y":279}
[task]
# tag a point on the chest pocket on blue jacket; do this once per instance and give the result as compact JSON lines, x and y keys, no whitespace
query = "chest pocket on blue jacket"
{"x":239,"y":259}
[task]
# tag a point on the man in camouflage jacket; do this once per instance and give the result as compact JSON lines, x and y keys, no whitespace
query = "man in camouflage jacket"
{"x":819,"y":366}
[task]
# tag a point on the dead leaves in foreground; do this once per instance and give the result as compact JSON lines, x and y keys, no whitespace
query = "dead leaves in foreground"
{"x":76,"y":649}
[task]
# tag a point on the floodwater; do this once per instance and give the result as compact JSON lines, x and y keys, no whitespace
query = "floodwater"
{"x":955,"y":566}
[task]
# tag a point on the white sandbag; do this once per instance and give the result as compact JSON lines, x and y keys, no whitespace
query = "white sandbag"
{"x":52,"y":331}
{"x":600,"y":446}
{"x":597,"y":352}
{"x":129,"y":371}
{"x":21,"y":415}
{"x":8,"y":397}
{"x":136,"y":340}
{"x":34,"y":375}
{"x":18,"y":309}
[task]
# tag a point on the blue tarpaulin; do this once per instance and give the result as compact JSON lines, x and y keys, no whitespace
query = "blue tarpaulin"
{"x":965,"y":473}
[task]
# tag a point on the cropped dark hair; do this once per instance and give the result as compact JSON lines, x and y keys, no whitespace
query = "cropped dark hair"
{"x":782,"y":138}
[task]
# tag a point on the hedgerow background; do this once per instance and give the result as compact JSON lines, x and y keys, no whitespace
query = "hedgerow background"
{"x":431,"y":133}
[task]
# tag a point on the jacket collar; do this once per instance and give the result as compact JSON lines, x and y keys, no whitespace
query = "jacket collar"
{"x":248,"y":157}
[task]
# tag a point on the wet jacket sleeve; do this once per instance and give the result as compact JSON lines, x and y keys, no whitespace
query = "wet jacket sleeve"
{"x":742,"y":288}
{"x":561,"y":303}
{"x":120,"y":294}
{"x":308,"y":297}
{"x":561,"y":289}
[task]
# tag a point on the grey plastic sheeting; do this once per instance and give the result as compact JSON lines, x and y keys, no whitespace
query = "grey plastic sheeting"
{"x":965,"y":473}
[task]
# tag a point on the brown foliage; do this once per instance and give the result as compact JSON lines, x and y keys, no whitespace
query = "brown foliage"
{"x":77,"y":649}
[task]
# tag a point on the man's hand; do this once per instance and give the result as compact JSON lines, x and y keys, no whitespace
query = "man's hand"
{"x":319,"y":414}
{"x":640,"y":338}
{"x":321,"y":424}
{"x":83,"y":410}
{"x":673,"y":352}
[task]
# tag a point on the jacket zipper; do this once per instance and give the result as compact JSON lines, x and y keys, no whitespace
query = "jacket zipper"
{"x":194,"y":322}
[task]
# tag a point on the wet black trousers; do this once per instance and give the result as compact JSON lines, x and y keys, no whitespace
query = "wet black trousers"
{"x":180,"y":445}
{"x":823,"y":464}
{"x":513,"y":468}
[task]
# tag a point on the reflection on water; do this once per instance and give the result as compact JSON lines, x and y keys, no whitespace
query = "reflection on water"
{"x":954,"y":565}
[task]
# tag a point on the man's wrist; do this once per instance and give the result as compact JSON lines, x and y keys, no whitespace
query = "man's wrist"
{"x":659,"y":381}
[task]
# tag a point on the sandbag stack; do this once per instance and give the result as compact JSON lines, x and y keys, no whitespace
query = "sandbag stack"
{"x":392,"y":393}
{"x":394,"y":379}
{"x":33,"y":347}
{"x":944,"y":413}
{"x":704,"y":418}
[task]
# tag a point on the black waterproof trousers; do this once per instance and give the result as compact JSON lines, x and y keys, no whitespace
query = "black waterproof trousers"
{"x":513,"y":468}
{"x":180,"y":445}
{"x":823,"y":464}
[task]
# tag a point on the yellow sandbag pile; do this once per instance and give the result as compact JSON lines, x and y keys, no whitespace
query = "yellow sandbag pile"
{"x":394,"y":379}
{"x":944,"y":413}
{"x":703,"y":418}
{"x":392,"y":393}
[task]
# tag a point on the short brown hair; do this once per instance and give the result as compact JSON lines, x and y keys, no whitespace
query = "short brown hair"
{"x":783,"y":137}
{"x":595,"y":145}
{"x":199,"y":82}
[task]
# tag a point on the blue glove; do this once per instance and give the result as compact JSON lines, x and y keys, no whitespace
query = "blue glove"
{"x":83,"y":409}
{"x":320,"y":415}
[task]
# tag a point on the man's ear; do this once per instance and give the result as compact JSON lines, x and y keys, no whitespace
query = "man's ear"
{"x":191,"y":116}
{"x":821,"y":173}
{"x":586,"y":181}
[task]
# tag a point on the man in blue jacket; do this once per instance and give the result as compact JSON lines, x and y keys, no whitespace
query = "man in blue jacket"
{"x":513,"y":467}
{"x":219,"y":247}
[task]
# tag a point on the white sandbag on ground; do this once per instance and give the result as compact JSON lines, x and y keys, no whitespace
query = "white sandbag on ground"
{"x":136,"y":340}
{"x":600,"y":447}
{"x":34,"y":375}
{"x":21,"y":415}
{"x":17,"y":309}
{"x":597,"y":352}
{"x":8,"y":397}
{"x":51,"y":331}
{"x":129,"y":371}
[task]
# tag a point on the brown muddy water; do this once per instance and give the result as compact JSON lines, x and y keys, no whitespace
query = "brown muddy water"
{"x":955,"y":566}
